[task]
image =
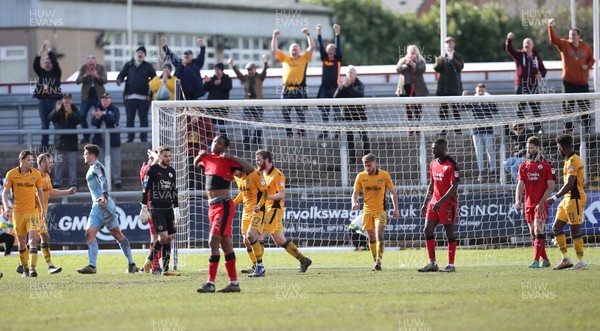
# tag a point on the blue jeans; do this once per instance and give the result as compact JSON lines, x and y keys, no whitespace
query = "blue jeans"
{"x":481,"y":141}
{"x":511,"y":165}
{"x":92,"y":101}
{"x":45,"y":107}
{"x":327,"y":92}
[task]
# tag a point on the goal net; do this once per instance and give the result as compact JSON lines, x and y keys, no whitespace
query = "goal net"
{"x":321,"y":159}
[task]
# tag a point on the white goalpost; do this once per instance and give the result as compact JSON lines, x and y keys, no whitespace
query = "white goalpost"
{"x":321,"y":160}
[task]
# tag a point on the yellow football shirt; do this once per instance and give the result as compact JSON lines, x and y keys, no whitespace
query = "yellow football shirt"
{"x":252,"y":187}
{"x":24,"y":189}
{"x":373,"y":188}
{"x":294,"y":71}
{"x":276,"y":183}
{"x":47,"y":187}
{"x":574,"y":167}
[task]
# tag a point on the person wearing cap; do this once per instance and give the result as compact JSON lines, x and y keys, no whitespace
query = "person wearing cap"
{"x":253,"y":89}
{"x":138,"y":73}
{"x":449,"y":67}
{"x":164,"y":80}
{"x":218,"y":87}
{"x":188,"y":69}
{"x":518,"y":150}
{"x":107,"y":115}
{"x":294,"y":77}
{"x":47,"y":86}
{"x":65,"y":116}
{"x":331,"y":60}
{"x":92,"y":76}
{"x":528,"y":75}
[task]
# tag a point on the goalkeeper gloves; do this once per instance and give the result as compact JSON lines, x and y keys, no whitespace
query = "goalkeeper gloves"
{"x":144,"y":215}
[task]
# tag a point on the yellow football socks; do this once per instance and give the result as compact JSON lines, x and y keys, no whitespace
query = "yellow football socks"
{"x":380,"y":245}
{"x":373,"y":249}
{"x":561,"y":241}
{"x":578,"y":245}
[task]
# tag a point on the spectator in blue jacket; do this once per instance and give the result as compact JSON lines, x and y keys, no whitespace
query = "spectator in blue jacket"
{"x":188,"y":69}
{"x":483,"y":137}
{"x":136,"y":94}
{"x":107,"y":116}
{"x":331,"y":59}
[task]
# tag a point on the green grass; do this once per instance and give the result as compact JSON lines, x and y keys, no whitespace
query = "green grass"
{"x":475,"y":297}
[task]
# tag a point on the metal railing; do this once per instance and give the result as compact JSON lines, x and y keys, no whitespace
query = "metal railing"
{"x":28,"y":134}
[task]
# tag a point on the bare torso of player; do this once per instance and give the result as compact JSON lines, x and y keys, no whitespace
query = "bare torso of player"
{"x":212,"y":194}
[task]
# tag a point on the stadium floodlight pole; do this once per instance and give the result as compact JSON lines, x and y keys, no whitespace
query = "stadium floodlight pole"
{"x":129,"y":25}
{"x":573,"y":14}
{"x":443,"y":30}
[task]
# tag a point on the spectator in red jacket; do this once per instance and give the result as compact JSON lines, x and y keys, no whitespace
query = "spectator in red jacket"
{"x":528,"y":76}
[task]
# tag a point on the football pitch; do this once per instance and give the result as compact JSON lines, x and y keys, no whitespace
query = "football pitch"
{"x":348,"y":297}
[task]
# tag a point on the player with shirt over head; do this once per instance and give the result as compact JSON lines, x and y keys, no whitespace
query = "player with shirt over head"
{"x":252,"y":193}
{"x":441,"y":204}
{"x":160,"y":189}
{"x":536,"y":180}
{"x":103,"y":213}
{"x":218,"y":169}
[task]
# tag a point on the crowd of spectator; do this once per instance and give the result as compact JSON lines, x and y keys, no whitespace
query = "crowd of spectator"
{"x":143,"y":85}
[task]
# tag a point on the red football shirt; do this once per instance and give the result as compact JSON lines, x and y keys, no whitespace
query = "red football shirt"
{"x":143,"y":170}
{"x":535,"y":176}
{"x":215,"y":165}
{"x":443,"y":172}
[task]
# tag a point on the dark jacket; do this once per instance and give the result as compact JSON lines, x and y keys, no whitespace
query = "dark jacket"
{"x":194,"y":84}
{"x":65,"y":142}
{"x":137,"y":77}
{"x":527,"y":68}
{"x":355,"y":90}
{"x":87,"y":81}
{"x":449,"y":81}
{"x":111,"y":120}
{"x":407,"y":76}
{"x":331,"y":67}
{"x":221,"y":91}
{"x":518,"y":143}
{"x":47,"y":85}
{"x":483,"y":111}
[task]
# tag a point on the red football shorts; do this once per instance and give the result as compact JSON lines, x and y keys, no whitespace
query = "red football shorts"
{"x":220,"y":215}
{"x":530,"y":214}
{"x":446,"y":214}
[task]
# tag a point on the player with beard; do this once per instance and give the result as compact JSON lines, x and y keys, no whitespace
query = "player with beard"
{"x":160,"y":189}
{"x":536,"y":180}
